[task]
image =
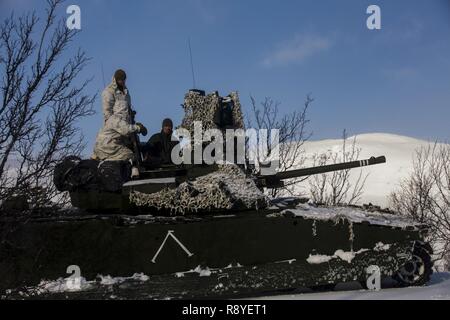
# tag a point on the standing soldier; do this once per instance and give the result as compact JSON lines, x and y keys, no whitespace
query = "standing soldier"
{"x":115,"y":140}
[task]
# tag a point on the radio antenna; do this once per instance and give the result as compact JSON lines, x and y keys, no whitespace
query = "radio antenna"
{"x":192,"y":64}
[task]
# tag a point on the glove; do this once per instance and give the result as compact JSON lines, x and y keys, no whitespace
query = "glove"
{"x":141,"y":129}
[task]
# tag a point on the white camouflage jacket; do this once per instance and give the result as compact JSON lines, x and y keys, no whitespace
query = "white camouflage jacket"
{"x":114,"y":139}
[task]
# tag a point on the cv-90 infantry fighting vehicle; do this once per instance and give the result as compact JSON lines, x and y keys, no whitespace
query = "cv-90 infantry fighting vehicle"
{"x":199,"y":230}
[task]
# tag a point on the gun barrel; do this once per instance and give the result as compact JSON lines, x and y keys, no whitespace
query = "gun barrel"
{"x":276,"y":178}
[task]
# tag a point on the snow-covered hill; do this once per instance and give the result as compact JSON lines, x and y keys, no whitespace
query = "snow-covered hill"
{"x":383,"y":178}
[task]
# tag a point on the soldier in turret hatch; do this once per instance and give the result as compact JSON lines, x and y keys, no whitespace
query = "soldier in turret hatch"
{"x":115,"y":140}
{"x":157,"y":151}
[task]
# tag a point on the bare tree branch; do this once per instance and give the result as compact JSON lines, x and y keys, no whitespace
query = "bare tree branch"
{"x":336,"y":188}
{"x":425,"y":195}
{"x":293,"y":134}
{"x":40,"y":103}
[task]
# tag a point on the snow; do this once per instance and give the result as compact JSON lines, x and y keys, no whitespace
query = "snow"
{"x":200,"y":270}
{"x":63,"y":285}
{"x":318,"y":259}
{"x":354,"y":215}
{"x":380,"y":246}
{"x":81,"y":284}
{"x":437,"y":289}
{"x":203,"y":272}
{"x":109,"y":281}
{"x":341,"y":254}
{"x":347,"y":255}
{"x":383,"y":178}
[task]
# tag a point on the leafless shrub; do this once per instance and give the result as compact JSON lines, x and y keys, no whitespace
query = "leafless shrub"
{"x":425,"y":195}
{"x":293,"y":134}
{"x":40,"y":103}
{"x":335,"y":188}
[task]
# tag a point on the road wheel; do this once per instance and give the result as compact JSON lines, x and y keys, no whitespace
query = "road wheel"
{"x":417,"y":271}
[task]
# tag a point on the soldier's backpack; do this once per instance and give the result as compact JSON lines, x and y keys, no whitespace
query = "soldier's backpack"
{"x":74,"y":173}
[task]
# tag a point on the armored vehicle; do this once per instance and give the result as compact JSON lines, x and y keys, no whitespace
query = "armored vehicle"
{"x":201,"y":231}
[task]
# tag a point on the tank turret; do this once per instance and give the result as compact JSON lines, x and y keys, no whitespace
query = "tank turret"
{"x":187,"y":187}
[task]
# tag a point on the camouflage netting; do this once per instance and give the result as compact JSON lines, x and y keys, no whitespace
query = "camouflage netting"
{"x":227,"y":188}
{"x":204,"y":108}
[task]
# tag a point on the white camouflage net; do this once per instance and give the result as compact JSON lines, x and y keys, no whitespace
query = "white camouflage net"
{"x":203,"y":108}
{"x":227,"y":188}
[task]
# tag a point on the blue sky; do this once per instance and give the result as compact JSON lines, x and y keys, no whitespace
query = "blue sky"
{"x":394,"y":80}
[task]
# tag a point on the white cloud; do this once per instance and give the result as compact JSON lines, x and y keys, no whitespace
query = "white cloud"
{"x":297,"y":50}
